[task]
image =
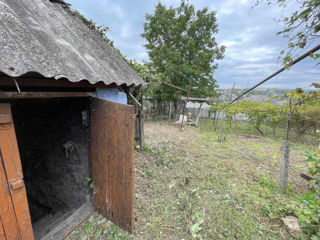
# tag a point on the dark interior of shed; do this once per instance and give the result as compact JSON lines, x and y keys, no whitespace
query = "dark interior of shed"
{"x":53,"y":137}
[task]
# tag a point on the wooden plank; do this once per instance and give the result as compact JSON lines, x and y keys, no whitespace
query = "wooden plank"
{"x":14,"y":174}
{"x":38,"y":82}
{"x":9,"y":224}
{"x":16,"y":95}
{"x":111,"y":156}
{"x":5,"y":119}
{"x":2,"y":235}
{"x":61,"y":230}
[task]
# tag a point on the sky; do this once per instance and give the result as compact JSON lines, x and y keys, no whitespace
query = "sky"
{"x":248,"y":33}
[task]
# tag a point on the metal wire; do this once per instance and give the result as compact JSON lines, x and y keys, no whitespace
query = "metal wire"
{"x":316,"y":48}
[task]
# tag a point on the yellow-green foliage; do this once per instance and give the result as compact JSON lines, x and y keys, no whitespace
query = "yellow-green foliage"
{"x":303,"y":109}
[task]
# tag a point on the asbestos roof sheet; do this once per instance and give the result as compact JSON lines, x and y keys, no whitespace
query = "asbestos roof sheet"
{"x":46,"y":38}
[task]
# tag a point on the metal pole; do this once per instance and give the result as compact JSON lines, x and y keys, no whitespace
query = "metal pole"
{"x":316,"y":48}
{"x":289,"y":118}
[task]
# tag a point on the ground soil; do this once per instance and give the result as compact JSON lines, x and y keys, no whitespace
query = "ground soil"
{"x":190,"y":186}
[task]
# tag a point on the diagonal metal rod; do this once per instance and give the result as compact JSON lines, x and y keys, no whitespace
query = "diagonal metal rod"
{"x":316,"y":48}
{"x":173,"y":86}
{"x":134,"y":99}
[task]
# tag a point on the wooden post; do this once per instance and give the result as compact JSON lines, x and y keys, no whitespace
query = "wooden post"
{"x":178,"y":109}
{"x":170,"y":110}
{"x":216,"y":118}
{"x":284,"y":164}
{"x":141,"y":123}
{"x":285,"y":154}
{"x":288,"y":119}
{"x":198,"y":115}
{"x":185,"y":106}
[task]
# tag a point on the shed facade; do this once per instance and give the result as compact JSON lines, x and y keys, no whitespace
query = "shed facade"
{"x":65,"y":148}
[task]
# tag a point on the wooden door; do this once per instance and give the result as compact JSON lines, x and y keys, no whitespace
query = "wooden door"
{"x":14,"y":210}
{"x":112,"y":165}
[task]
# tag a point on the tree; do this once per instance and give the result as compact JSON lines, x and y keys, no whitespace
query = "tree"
{"x":148,"y":74}
{"x":301,"y":27}
{"x":181,"y":45}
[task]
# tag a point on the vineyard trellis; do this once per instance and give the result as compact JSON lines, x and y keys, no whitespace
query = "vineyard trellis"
{"x":298,"y":105}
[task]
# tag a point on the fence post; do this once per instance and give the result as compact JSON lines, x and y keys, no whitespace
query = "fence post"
{"x":141,"y":124}
{"x":170,"y":110}
{"x":216,"y":118}
{"x":198,"y":115}
{"x":284,"y":164}
{"x":185,"y":106}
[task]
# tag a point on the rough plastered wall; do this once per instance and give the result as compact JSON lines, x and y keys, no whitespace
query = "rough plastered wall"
{"x":53,"y":137}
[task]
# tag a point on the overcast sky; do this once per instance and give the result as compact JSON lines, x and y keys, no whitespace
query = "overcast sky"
{"x":249,"y":35}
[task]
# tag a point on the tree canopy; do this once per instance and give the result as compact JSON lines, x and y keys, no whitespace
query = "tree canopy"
{"x":181,"y":45}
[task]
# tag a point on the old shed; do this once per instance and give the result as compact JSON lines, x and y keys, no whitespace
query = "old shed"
{"x":66,"y":131}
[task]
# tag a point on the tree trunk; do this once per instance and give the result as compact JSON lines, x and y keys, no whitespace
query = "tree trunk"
{"x":170,"y":110}
{"x":178,"y":111}
{"x":216,"y":119}
{"x":262,"y":134}
{"x":302,"y":131}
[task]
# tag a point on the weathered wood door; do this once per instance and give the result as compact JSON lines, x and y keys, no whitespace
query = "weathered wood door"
{"x":112,"y":164}
{"x":15,"y":222}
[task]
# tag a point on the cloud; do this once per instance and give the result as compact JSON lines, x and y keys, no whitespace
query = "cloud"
{"x":249,"y":35}
{"x":229,"y":43}
{"x":126,"y":31}
{"x":228,"y":7}
{"x":118,"y":11}
{"x":105,"y":3}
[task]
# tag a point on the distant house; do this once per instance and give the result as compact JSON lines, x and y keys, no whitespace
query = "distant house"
{"x":194,"y":108}
{"x":66,"y":132}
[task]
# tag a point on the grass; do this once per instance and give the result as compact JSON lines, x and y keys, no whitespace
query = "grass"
{"x":244,"y":128}
{"x":193,"y":187}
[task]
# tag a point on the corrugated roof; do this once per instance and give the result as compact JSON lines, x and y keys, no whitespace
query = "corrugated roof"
{"x":44,"y":37}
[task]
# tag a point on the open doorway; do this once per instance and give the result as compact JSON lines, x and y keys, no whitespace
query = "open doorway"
{"x":53,"y":138}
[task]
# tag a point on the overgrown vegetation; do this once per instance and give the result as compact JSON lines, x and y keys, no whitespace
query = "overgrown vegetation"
{"x":299,"y":112}
{"x":305,"y":207}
